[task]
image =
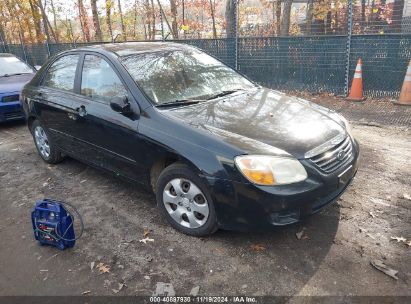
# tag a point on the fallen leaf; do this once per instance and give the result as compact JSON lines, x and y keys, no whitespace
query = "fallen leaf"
{"x":385,"y":269}
{"x":86,"y":292}
{"x":399,"y":239}
{"x":164,"y":289}
{"x":103,"y":268}
{"x":194,"y":291}
{"x":258,"y":247}
{"x":300,"y":234}
{"x":120,"y":287}
{"x":146,"y":232}
{"x":145,"y":240}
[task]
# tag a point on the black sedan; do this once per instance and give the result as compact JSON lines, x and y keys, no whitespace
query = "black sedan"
{"x":218,"y":150}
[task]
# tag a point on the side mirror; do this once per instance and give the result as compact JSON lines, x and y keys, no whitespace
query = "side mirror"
{"x":120,"y":104}
{"x":37,"y":67}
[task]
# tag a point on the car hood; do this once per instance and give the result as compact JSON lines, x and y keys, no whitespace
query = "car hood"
{"x":14,"y":83}
{"x":262,"y":118}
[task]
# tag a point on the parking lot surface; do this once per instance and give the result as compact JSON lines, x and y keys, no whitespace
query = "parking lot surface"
{"x":328,"y":254}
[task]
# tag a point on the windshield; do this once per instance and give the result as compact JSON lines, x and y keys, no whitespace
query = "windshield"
{"x":11,"y":65}
{"x":170,"y":76}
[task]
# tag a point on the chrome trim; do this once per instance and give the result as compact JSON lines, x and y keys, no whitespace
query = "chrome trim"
{"x":326,"y":146}
{"x":345,"y":171}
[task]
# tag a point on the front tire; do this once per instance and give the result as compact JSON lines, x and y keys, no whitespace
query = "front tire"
{"x":185,"y":202}
{"x":45,"y":147}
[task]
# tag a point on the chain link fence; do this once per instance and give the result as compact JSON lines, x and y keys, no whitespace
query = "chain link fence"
{"x":319,"y":54}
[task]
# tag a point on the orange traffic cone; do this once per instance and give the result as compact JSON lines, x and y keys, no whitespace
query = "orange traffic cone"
{"x":405,"y":95}
{"x":356,"y":86}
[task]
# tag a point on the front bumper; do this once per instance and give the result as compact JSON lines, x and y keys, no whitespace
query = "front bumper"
{"x":264,"y":206}
{"x":10,"y":111}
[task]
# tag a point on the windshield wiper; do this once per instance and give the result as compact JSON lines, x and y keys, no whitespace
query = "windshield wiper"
{"x":179,"y":102}
{"x":223,"y":93}
{"x":13,"y":74}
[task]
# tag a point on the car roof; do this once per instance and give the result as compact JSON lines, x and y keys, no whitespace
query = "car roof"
{"x":131,"y":48}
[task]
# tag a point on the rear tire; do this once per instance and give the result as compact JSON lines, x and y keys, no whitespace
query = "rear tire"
{"x":45,"y":147}
{"x":184,"y":201}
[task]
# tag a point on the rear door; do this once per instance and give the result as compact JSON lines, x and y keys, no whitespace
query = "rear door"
{"x":111,"y":138}
{"x":54,"y":99}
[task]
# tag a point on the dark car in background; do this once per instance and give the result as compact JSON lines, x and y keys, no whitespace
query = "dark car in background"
{"x":14,"y":74}
{"x":218,"y":150}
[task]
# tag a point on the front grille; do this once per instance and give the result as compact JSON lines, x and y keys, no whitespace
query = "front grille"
{"x":10,"y":98}
{"x":334,"y":158}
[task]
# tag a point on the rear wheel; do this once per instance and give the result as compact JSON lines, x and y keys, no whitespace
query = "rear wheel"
{"x":47,"y":150}
{"x":185,"y":202}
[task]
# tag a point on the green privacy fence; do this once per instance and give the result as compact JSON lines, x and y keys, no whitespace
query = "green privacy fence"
{"x":312,"y":63}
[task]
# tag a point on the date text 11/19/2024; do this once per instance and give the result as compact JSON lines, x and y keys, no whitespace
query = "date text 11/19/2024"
{"x":203,"y":299}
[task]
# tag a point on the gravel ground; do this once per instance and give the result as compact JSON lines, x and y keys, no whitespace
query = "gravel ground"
{"x":332,"y":257}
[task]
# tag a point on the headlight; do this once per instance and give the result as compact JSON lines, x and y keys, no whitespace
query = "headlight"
{"x":270,"y":170}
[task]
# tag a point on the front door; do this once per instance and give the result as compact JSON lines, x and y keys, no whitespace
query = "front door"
{"x":110,"y":138}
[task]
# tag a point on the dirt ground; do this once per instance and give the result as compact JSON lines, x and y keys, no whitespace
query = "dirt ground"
{"x":333,"y":256}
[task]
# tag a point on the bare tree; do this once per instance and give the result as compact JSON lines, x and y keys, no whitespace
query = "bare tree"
{"x":109,"y":5}
{"x":96,"y":21}
{"x":123,"y":28}
{"x":230,"y":17}
{"x":212,"y":11}
{"x":53,"y":10}
{"x":37,"y":20}
{"x":83,"y":20}
{"x":174,"y":27}
{"x":285,"y":22}
{"x":309,"y":16}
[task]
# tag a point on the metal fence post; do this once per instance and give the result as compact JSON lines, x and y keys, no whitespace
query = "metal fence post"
{"x":48,"y":49}
{"x":237,"y":24}
{"x":348,"y":50}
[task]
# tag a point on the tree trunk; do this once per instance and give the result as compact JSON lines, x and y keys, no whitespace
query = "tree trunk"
{"x":44,"y":19}
{"x":53,"y":9}
{"x":96,"y":21}
{"x":278,"y":16}
{"x":230,"y":18}
{"x":36,"y":20}
{"x":148,"y":20}
{"x":123,"y":28}
{"x":153,"y":20}
{"x":397,"y":12}
{"x":285,"y":22}
{"x":212,"y":11}
{"x":309,"y":18}
{"x":164,"y":17}
{"x":83,"y":20}
{"x":174,"y":26}
{"x":109,"y":5}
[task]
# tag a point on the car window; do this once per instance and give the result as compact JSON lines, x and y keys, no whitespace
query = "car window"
{"x":61,"y":73}
{"x":99,"y":81}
